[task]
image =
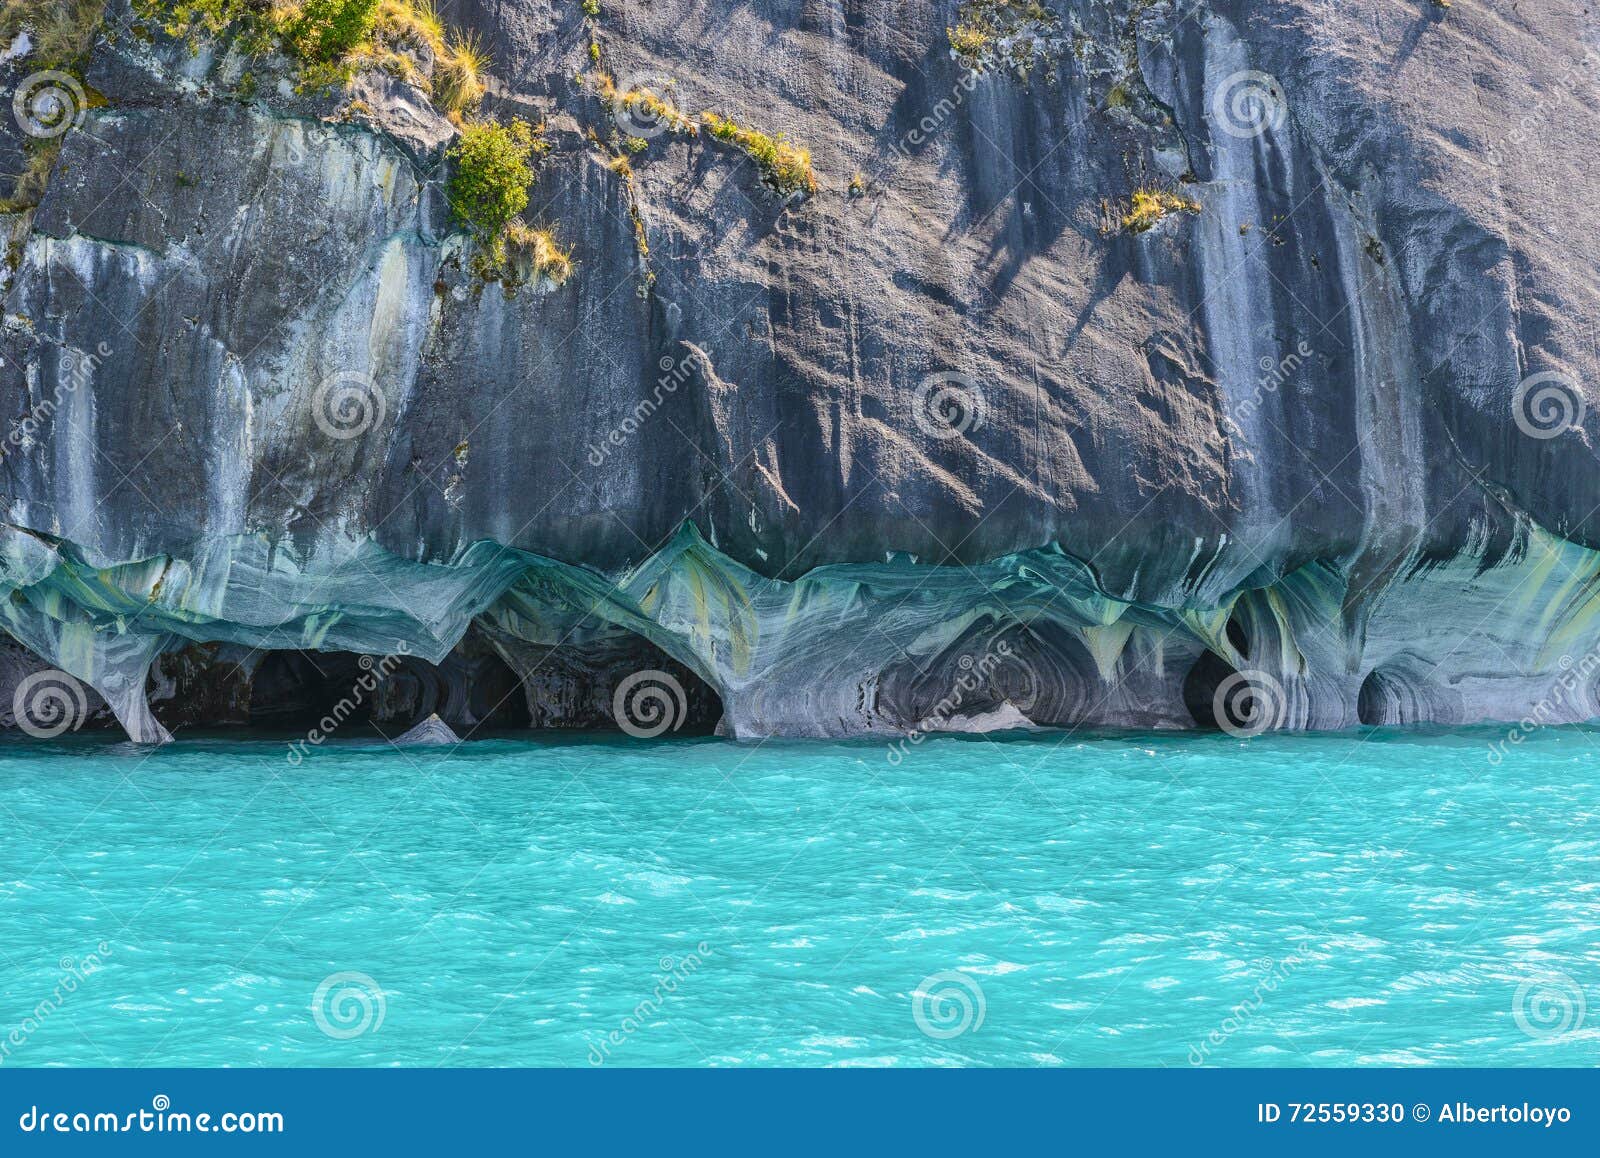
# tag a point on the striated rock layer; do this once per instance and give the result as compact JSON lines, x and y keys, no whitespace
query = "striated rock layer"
{"x":940,"y":446}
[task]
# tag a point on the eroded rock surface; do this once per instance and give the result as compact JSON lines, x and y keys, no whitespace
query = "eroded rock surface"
{"x":828,"y":457}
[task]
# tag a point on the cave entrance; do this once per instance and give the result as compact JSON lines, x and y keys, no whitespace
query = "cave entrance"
{"x":298,"y":690}
{"x":472,"y":690}
{"x":1210,"y":711}
{"x":1373,"y":699}
{"x":1237,"y":635}
{"x":619,"y":682}
{"x":487,"y":684}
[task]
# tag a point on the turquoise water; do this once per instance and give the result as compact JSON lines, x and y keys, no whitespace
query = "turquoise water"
{"x":1129,"y":899}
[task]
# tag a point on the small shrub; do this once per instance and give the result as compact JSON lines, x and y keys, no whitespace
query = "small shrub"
{"x":545,"y":259}
{"x":785,"y":167}
{"x":524,"y":255}
{"x":493,"y":169}
{"x":1149,"y":205}
{"x":328,"y":30}
{"x":60,"y":31}
{"x":35,"y":175}
{"x":969,"y":42}
{"x":990,"y":32}
{"x":458,"y":74}
{"x":645,"y":102}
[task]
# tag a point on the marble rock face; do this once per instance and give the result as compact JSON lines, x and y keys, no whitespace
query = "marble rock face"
{"x":943,"y":446}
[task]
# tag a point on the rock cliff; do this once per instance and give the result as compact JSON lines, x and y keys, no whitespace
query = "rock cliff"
{"x":1154,"y":363}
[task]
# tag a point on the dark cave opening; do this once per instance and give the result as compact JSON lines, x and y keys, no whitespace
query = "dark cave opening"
{"x":1200,"y":697}
{"x":481,"y":687}
{"x":1373,"y":699}
{"x":472,"y":690}
{"x":1237,"y":635}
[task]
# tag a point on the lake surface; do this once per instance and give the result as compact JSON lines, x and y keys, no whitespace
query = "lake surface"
{"x":1377,"y":897}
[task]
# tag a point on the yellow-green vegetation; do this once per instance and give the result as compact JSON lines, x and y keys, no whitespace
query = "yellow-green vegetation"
{"x":493,"y":167}
{"x":60,"y":33}
{"x":591,"y":9}
{"x":256,"y":28}
{"x":458,"y":75}
{"x":1015,"y":32}
{"x":644,"y":101}
{"x":524,"y":256}
{"x":1148,"y":205}
{"x":786,"y":167}
{"x":333,"y":39}
{"x":35,"y":175}
{"x":623,"y":168}
{"x":324,"y":31}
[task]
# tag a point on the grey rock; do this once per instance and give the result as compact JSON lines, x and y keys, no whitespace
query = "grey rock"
{"x":431,"y":732}
{"x":1312,"y":410}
